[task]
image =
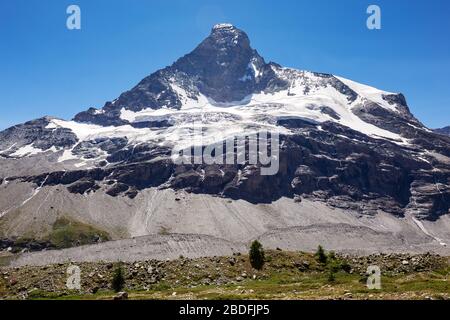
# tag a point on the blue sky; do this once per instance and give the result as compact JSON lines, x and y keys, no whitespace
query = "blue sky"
{"x":46,"y":69}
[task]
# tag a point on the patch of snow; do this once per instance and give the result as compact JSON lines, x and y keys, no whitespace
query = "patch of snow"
{"x":35,"y":192}
{"x":252,"y":72}
{"x":9,"y":148}
{"x":424,"y":230}
{"x":27,"y":150}
{"x":67,"y":155}
{"x":51,"y":125}
{"x":223,"y":26}
{"x":87,"y":132}
{"x":370,"y":93}
{"x":255,"y":69}
{"x":80,"y":164}
{"x":52,"y":149}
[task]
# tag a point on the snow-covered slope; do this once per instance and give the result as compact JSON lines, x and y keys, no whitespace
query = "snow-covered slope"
{"x":201,"y":89}
{"x":309,"y":96}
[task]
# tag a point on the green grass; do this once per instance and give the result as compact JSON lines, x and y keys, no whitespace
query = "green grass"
{"x":6,"y":259}
{"x":67,"y":233}
{"x":283,"y":286}
{"x":280,"y":278}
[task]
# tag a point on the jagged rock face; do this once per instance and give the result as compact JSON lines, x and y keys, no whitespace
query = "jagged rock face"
{"x":226,"y":67}
{"x":223,"y":67}
{"x":444,"y":131}
{"x":361,"y":175}
{"x":342,"y":143}
{"x":91,"y":149}
{"x":35,"y":132}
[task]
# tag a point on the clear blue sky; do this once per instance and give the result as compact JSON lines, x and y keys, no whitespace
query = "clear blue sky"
{"x":46,"y":69}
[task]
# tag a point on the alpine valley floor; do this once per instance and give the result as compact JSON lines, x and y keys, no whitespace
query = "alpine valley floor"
{"x":197,"y":225}
{"x":285,"y":275}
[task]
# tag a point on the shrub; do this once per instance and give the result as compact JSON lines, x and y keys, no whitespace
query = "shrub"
{"x":332,"y":255}
{"x":118,"y":280}
{"x":334,"y":266}
{"x":257,"y":258}
{"x":321,"y":255}
{"x":346,"y":267}
{"x":331,"y":276}
{"x":337,"y":264}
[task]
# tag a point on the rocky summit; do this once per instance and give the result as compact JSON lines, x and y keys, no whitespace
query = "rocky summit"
{"x":354,"y":163}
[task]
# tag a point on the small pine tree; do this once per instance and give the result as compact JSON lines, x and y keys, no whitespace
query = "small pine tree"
{"x":257,"y":257}
{"x":332,"y":255}
{"x":118,"y":280}
{"x":331,"y":276}
{"x":321,"y":255}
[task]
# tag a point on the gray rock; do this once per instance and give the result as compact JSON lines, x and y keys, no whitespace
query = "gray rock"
{"x":121,"y":296}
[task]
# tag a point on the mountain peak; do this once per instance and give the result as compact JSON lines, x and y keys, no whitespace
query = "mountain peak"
{"x":227,"y":26}
{"x":225,"y":35}
{"x":226,"y":29}
{"x":220,"y":61}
